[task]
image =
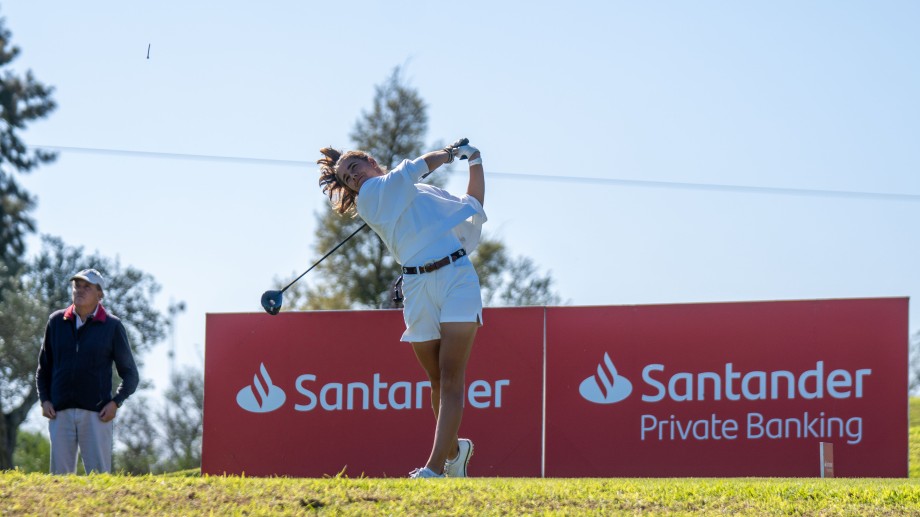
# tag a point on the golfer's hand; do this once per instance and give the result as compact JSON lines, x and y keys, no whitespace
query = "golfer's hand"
{"x":467,"y":152}
{"x":453,"y":148}
{"x":458,"y":143}
{"x":108,"y":412}
{"x":48,"y":410}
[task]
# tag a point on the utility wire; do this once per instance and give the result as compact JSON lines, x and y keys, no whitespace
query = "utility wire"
{"x":885,"y":196}
{"x":174,"y":156}
{"x":852,"y":194}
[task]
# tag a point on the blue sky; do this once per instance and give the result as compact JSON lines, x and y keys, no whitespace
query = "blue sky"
{"x":815,"y":96}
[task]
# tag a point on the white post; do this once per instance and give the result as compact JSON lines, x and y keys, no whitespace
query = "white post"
{"x":827,"y":460}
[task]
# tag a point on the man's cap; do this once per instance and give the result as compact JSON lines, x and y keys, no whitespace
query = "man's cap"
{"x":92,"y":276}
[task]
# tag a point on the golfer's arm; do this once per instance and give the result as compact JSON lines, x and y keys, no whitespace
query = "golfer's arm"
{"x":435,"y":159}
{"x":477,"y":185}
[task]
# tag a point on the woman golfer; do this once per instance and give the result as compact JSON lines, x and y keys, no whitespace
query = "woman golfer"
{"x":430,"y":232}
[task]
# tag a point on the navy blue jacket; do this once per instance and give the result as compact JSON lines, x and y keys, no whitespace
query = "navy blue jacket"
{"x":75,"y":366}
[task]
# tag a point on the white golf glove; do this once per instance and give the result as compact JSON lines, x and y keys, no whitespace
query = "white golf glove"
{"x":452,"y":148}
{"x":465,"y":151}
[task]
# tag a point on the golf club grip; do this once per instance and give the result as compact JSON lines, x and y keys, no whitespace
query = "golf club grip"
{"x":337,"y":246}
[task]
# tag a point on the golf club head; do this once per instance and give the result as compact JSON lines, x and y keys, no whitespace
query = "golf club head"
{"x":271,"y":302}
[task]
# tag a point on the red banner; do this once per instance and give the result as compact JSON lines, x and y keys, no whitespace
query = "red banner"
{"x":723,"y":389}
{"x":318,"y":393}
{"x":740,"y":389}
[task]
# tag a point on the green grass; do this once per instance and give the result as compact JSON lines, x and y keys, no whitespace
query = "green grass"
{"x":40,"y":494}
{"x":913,"y":438}
{"x":187,"y":493}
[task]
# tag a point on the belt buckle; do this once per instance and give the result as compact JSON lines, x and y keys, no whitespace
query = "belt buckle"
{"x":428,"y":267}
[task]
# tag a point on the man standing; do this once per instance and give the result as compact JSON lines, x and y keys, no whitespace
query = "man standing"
{"x":74,"y":377}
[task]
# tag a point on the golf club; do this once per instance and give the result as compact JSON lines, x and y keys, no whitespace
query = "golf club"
{"x":272,"y":299}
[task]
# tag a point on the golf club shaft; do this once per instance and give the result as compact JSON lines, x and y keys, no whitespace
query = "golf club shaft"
{"x":339,"y":245}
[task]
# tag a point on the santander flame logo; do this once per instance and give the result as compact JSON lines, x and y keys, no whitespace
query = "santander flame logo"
{"x":266,"y":396}
{"x":607,"y":386}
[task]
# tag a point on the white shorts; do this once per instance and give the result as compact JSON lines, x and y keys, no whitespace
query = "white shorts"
{"x":450,"y":294}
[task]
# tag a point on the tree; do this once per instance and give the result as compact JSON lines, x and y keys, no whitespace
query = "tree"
{"x":508,"y":281}
{"x":21,"y":329}
{"x":361,"y":273}
{"x":914,"y":367}
{"x":137,"y":438}
{"x":23,"y":99}
{"x":44,"y":288}
{"x":129,"y":292}
{"x":183,"y":420}
{"x":33,"y":454}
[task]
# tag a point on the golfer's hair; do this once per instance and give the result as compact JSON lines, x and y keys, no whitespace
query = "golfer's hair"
{"x":342,"y":197}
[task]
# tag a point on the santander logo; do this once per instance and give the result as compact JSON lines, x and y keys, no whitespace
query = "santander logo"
{"x":607,"y":386}
{"x":264,"y":398}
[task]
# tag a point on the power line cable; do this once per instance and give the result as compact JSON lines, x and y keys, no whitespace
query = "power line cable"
{"x":714,"y":187}
{"x":885,"y":196}
{"x":174,"y":156}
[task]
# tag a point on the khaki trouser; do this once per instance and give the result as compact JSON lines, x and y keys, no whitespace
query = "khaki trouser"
{"x":74,"y":430}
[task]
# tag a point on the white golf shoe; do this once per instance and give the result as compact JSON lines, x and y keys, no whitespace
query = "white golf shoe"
{"x":424,"y":472}
{"x":456,"y":468}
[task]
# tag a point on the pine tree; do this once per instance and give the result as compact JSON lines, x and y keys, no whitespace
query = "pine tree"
{"x":360,"y":274}
{"x":23,"y":99}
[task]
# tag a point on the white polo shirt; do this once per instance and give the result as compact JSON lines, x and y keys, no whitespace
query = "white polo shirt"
{"x":419,"y":222}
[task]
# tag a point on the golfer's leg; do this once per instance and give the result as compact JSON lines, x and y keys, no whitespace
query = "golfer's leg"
{"x":456,"y":344}
{"x":96,"y":442}
{"x":63,"y":433}
{"x":427,"y":354}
